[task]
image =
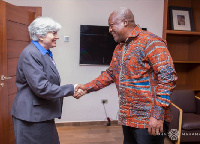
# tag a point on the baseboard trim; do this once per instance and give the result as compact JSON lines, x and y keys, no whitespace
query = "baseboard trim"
{"x":114,"y":122}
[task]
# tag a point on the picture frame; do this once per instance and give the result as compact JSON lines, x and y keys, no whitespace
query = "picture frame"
{"x":181,"y":18}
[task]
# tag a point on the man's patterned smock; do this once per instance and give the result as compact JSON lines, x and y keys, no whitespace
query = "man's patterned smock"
{"x":144,"y":74}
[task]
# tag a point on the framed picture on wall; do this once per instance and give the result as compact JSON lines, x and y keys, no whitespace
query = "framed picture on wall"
{"x":181,"y":18}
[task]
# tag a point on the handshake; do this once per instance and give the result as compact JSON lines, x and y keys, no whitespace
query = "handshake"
{"x":80,"y":90}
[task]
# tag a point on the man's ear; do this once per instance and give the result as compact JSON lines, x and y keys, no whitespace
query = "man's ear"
{"x":125,"y":22}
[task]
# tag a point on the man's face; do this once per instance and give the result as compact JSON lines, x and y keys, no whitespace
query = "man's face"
{"x":116,"y":27}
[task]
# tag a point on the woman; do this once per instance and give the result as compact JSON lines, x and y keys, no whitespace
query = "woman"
{"x":39,"y":98}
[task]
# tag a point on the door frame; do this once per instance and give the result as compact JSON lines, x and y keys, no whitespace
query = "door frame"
{"x":2,"y":61}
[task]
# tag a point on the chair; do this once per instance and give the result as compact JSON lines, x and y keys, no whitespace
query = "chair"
{"x":185,"y":108}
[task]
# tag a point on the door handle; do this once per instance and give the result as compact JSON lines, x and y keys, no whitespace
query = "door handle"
{"x":2,"y":84}
{"x":5,"y":78}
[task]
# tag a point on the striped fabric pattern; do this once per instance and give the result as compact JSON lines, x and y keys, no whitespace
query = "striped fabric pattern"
{"x":144,"y":74}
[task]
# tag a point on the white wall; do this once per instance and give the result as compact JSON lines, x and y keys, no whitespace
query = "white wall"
{"x":73,"y":13}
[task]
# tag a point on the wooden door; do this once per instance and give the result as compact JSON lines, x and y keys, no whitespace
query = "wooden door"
{"x":14,"y":21}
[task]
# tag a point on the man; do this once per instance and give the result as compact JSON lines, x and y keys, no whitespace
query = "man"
{"x":143,"y":72}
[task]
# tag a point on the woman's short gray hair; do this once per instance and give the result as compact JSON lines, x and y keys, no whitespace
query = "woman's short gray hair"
{"x":41,"y":26}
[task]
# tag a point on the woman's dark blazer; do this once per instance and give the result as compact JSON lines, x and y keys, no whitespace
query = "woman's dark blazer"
{"x":39,"y":94}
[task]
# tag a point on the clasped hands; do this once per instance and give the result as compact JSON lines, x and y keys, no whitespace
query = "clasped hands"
{"x":80,"y":90}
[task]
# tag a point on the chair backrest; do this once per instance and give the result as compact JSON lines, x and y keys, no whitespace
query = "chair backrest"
{"x":185,"y":99}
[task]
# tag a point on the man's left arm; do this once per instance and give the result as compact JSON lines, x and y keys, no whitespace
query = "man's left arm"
{"x":162,"y":64}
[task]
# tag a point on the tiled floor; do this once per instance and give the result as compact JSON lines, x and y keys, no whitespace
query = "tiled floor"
{"x":92,"y":135}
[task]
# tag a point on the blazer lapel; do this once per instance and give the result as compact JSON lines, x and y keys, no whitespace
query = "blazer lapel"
{"x":53,"y":67}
